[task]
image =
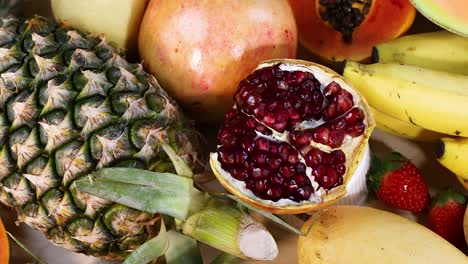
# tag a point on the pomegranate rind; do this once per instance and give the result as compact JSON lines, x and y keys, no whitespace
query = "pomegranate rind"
{"x":354,"y":155}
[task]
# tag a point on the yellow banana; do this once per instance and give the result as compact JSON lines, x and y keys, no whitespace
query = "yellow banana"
{"x":399,"y":128}
{"x":441,"y":50}
{"x":430,"y":99}
{"x":453,"y":154}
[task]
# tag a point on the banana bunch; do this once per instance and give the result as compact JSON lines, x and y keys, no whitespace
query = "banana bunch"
{"x":418,"y":89}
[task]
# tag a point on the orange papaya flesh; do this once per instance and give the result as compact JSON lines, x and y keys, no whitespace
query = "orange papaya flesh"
{"x":332,"y":37}
{"x":4,"y":245}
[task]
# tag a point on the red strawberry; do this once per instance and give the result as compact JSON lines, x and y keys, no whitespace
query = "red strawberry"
{"x":398,"y":183}
{"x":446,"y":217}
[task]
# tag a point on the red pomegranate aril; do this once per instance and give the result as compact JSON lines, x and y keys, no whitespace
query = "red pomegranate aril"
{"x":272,"y":106}
{"x":280,"y":127}
{"x":336,"y":138}
{"x":241,"y":157}
{"x":259,"y":157}
{"x":328,"y":178}
{"x":274,"y":162}
{"x":327,"y":159}
{"x":339,"y":123}
{"x":262,"y":143}
{"x":293,"y":158}
{"x":356,"y":130}
{"x":282,"y":85}
{"x":314,"y":157}
{"x":338,"y":156}
{"x":226,"y":157}
{"x":331,"y":112}
{"x":321,"y":134}
{"x":269,"y":119}
{"x":301,"y":179}
{"x":284,"y":150}
{"x":274,"y":192}
{"x":253,"y":100}
{"x":227,"y":138}
{"x":261,"y":186}
{"x":300,"y":168}
{"x":331,"y":89}
{"x":344,"y":104}
{"x":247,"y":144}
{"x":259,"y":111}
{"x":260,"y":172}
{"x":276,"y":179}
{"x":239,"y":174}
{"x":274,"y":148}
{"x":287,"y":171}
{"x":353,"y":116}
{"x":250,"y":123}
{"x":290,"y":186}
{"x":305,"y":192}
{"x":301,"y":138}
{"x":340,"y":169}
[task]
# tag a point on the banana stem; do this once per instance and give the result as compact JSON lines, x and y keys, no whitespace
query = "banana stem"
{"x":222,"y":225}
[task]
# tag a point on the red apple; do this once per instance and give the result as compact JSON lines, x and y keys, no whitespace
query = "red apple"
{"x":199,"y":50}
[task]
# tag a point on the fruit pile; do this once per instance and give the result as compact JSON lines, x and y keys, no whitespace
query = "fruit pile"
{"x":99,"y":153}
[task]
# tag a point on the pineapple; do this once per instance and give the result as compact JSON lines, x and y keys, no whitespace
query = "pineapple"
{"x":69,"y":106}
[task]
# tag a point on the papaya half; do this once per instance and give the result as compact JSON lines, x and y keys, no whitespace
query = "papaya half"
{"x":336,"y":30}
{"x":4,"y":246}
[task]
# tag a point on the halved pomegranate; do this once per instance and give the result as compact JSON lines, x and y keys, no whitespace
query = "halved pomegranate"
{"x":294,"y":137}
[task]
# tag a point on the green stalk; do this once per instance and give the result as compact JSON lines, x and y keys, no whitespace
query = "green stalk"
{"x":222,"y":225}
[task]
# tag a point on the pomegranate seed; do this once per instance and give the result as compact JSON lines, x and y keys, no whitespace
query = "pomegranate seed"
{"x":261,"y":185}
{"x":274,"y":192}
{"x":338,"y":124}
{"x":241,"y":157}
{"x":353,"y":116}
{"x":259,"y":157}
{"x":339,"y":156}
{"x":305,"y":192}
{"x":290,"y":186}
{"x":250,"y":123}
{"x":301,"y":138}
{"x":259,"y":111}
{"x":301,"y":179}
{"x":331,"y":112}
{"x":314,"y":157}
{"x":321,"y":135}
{"x":317,"y":97}
{"x":272,"y":106}
{"x":344,"y":104}
{"x":328,"y":179}
{"x":274,"y":148}
{"x":260,"y":88}
{"x":276,"y":179}
{"x":225,"y":156}
{"x":269,"y":119}
{"x":356,"y":130}
{"x":340,"y":169}
{"x":259,"y":172}
{"x":227,"y":138}
{"x":239,"y":174}
{"x":307,"y":85}
{"x":282,"y":85}
{"x":284,"y":150}
{"x":274,"y":162}
{"x":287,"y":171}
{"x":262,"y":143}
{"x":293,"y":158}
{"x":336,"y":138}
{"x":300,"y":168}
{"x":327,"y":158}
{"x":248,"y":144}
{"x":331,"y":89}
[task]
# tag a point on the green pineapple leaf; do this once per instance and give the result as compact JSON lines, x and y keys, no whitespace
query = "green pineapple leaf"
{"x":151,"y":249}
{"x":148,"y":191}
{"x":182,"y":249}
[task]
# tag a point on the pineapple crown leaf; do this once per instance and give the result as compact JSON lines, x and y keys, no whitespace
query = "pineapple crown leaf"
{"x":450,"y":195}
{"x":380,"y":167}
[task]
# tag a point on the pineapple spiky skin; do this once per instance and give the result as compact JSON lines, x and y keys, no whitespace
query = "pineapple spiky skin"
{"x":69,"y":104}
